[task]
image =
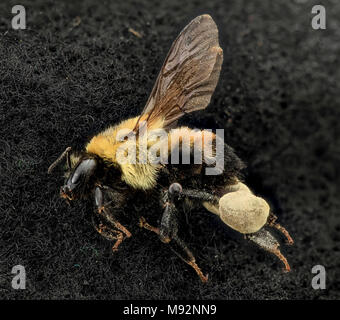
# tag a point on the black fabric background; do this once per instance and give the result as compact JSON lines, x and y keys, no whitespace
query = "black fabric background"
{"x":61,"y":82}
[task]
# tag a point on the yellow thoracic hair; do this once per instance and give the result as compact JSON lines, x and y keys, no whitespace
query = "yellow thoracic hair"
{"x":105,"y":145}
{"x":139,"y":175}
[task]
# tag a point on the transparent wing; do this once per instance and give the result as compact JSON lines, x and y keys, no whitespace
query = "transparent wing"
{"x":188,"y":76}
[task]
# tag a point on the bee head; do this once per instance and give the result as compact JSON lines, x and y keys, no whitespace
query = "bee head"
{"x":80,"y":178}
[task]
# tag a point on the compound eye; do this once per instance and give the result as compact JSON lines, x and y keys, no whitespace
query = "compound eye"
{"x":85,"y":168}
{"x":175,"y":188}
{"x":75,"y":177}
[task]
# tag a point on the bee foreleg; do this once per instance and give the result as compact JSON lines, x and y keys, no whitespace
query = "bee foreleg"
{"x":109,"y":234}
{"x":110,"y":218}
{"x":265,"y":240}
{"x":108,"y":215}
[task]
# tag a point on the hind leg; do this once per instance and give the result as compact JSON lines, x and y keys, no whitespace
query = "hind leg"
{"x":272,"y":223}
{"x":265,"y":240}
{"x":246,"y":213}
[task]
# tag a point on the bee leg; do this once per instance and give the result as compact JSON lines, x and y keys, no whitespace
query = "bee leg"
{"x":109,"y":234}
{"x":145,"y":225}
{"x":168,"y":224}
{"x":177,"y":192}
{"x":200,"y":195}
{"x":175,"y":241}
{"x":272,"y":223}
{"x":169,"y":228}
{"x":189,"y":259}
{"x":265,"y":240}
{"x":108,"y":216}
{"x":168,"y":234}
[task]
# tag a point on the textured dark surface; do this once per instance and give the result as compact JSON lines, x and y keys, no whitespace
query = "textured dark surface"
{"x":64,"y":79}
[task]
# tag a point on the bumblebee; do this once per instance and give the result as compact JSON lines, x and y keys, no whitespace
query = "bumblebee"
{"x":185,"y":84}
